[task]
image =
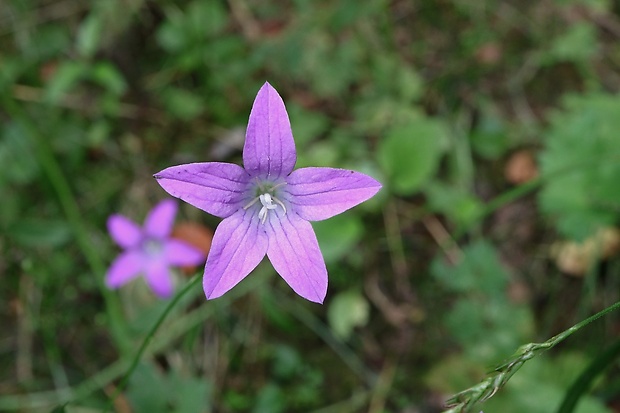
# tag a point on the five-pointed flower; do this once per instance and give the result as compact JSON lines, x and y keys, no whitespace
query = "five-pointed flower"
{"x":150,"y":250}
{"x":266,"y":205}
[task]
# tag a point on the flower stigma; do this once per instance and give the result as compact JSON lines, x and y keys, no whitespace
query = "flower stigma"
{"x":267,"y":199}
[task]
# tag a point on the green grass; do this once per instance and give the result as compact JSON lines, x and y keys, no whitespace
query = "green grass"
{"x":446,"y":272}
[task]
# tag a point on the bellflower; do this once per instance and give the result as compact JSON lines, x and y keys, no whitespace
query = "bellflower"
{"x":266,"y":205}
{"x":149,"y":250}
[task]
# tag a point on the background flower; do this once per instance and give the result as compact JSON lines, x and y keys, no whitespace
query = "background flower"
{"x":149,"y":250}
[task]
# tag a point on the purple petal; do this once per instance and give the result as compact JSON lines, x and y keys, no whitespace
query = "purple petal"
{"x":159,"y":279}
{"x":239,"y":245}
{"x":295,"y":254}
{"x":215,"y":187}
{"x":159,"y":222}
{"x":321,"y":193}
{"x":269,"y":149}
{"x":124,"y":231}
{"x":124,"y":268}
{"x":180,"y":253}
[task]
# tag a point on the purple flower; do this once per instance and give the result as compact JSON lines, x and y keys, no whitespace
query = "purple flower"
{"x":266,"y":205}
{"x":149,"y":250}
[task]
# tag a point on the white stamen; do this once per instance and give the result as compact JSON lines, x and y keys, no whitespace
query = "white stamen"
{"x":268,"y":204}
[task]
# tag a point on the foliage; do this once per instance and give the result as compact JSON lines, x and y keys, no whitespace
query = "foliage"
{"x":445,"y":273}
{"x":581,"y":162}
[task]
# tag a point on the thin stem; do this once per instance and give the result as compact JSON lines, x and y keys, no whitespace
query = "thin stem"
{"x":149,"y":337}
{"x":71,"y":210}
{"x":465,"y":400}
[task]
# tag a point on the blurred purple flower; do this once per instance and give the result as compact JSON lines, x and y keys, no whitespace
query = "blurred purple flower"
{"x":150,"y":250}
{"x":266,"y":205}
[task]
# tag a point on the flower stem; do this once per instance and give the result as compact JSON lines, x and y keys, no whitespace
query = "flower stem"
{"x":149,"y":337}
{"x":462,"y":402}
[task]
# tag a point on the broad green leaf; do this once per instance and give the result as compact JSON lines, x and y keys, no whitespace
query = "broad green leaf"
{"x":346,"y":311}
{"x":410,"y":154}
{"x":189,"y":394}
{"x":148,"y":390}
{"x":581,"y":165}
{"x":338,"y":235}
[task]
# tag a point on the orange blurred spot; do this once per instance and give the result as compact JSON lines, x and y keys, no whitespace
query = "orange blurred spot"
{"x":196,"y":235}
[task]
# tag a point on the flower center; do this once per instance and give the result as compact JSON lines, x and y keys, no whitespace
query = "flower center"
{"x":152,"y":247}
{"x":268,"y":200}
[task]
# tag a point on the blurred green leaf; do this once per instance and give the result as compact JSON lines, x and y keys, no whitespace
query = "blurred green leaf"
{"x":461,"y":207}
{"x":108,"y":76}
{"x":307,"y":125}
{"x":577,"y":43}
{"x":479,"y":269}
{"x":182,"y":103}
{"x":147,"y":389}
{"x":67,"y":76}
{"x":17,"y":155}
{"x":270,"y":399}
{"x":410,"y":154}
{"x":38,"y":232}
{"x":581,"y":165}
{"x":189,"y":394}
{"x":490,"y":139}
{"x":89,"y":35}
{"x":346,"y":311}
{"x":338,"y":235}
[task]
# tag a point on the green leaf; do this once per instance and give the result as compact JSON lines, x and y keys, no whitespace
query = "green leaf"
{"x":461,"y":207}
{"x":479,"y":269}
{"x":581,"y":165}
{"x":66,"y":77}
{"x":16,"y":155}
{"x":108,"y":76}
{"x":489,"y":139}
{"x":346,"y":311}
{"x":271,"y":399}
{"x":576,"y":43}
{"x":338,"y":235}
{"x":38,"y":232}
{"x":89,"y":35}
{"x":189,"y":394}
{"x":182,"y":103}
{"x":148,"y":390}
{"x":410,"y":154}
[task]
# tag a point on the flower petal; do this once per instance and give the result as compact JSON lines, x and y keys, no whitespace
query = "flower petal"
{"x":295,"y":254}
{"x":124,"y":268}
{"x":123,"y":231}
{"x":239,"y":245}
{"x":159,"y":279}
{"x":159,"y":222}
{"x":321,"y":193}
{"x":269,"y":149}
{"x":215,"y":187}
{"x":180,"y":253}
